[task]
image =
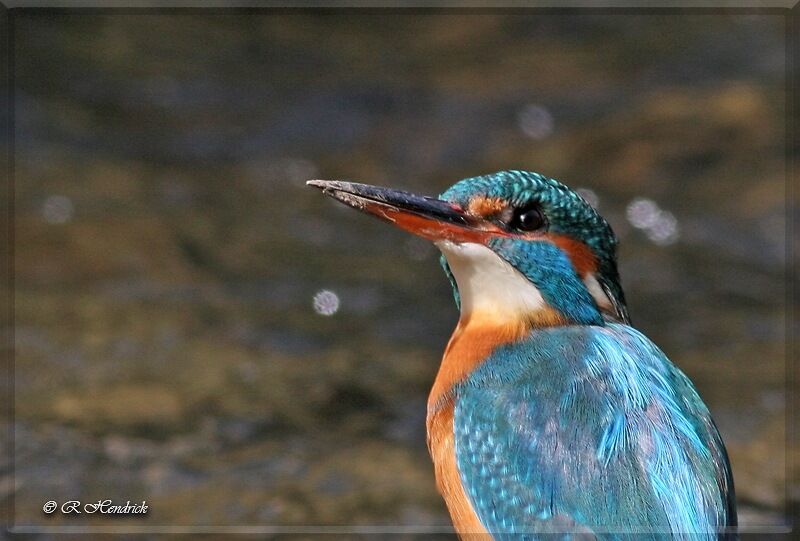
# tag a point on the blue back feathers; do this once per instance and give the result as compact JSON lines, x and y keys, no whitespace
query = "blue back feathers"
{"x":590,"y":429}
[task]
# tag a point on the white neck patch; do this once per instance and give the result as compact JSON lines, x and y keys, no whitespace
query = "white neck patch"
{"x":488,"y":284}
{"x":597,"y":293}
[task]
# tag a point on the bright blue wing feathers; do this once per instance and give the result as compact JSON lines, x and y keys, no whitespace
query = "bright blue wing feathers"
{"x":590,"y":429}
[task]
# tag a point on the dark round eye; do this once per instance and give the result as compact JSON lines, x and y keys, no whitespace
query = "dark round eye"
{"x":529,"y":218}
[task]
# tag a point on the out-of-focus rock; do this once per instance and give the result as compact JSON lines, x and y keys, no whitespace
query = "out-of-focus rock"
{"x":126,"y":407}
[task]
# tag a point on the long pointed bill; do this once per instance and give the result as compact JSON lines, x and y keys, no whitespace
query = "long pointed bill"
{"x":427,"y":217}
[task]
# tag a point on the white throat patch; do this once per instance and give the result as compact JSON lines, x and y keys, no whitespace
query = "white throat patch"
{"x":488,"y":284}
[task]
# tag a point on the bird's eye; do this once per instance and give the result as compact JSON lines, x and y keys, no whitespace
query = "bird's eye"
{"x":528,"y":218}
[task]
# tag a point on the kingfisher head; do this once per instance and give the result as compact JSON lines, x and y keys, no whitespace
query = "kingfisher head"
{"x":516,"y":245}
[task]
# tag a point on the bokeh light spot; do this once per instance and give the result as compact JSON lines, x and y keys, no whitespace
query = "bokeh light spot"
{"x":664,"y":230}
{"x":57,"y":209}
{"x":535,"y":121}
{"x":642,"y":213}
{"x":660,"y":226}
{"x":326,"y":302}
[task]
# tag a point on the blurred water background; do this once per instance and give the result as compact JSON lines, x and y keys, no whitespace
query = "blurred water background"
{"x":196,"y":328}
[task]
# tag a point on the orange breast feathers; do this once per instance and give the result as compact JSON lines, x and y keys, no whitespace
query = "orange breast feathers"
{"x":441,"y":445}
{"x":473,"y":341}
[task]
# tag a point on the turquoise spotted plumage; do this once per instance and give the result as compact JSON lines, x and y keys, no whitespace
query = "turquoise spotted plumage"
{"x":550,"y":413}
{"x":590,"y":429}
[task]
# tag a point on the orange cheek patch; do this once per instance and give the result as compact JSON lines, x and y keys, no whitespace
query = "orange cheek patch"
{"x":582,"y":257}
{"x":486,"y":206}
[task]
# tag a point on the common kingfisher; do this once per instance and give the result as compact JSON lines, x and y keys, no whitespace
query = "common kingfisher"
{"x":550,"y":413}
